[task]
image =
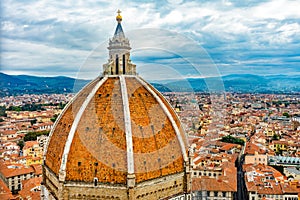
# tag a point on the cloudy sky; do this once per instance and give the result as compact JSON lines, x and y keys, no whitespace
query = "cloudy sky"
{"x":169,"y":37}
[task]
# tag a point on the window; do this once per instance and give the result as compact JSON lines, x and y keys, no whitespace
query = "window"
{"x":79,"y":164}
{"x":224,"y":194}
{"x":215,"y":194}
{"x":95,"y":181}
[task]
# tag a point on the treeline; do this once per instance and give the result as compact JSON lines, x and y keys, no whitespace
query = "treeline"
{"x":230,"y":139}
{"x":3,"y":111}
{"x":32,"y":136}
{"x":29,"y":107}
{"x":26,"y":107}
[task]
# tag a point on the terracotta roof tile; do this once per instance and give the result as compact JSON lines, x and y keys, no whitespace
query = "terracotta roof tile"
{"x":31,"y":189}
{"x":5,"y":193}
{"x":211,"y":184}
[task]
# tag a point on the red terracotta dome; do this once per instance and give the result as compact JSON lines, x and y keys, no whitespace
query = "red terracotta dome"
{"x":114,"y":125}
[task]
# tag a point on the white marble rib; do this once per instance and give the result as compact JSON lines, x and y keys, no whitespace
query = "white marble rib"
{"x":127,"y":121}
{"x":61,"y":114}
{"x":62,"y":170}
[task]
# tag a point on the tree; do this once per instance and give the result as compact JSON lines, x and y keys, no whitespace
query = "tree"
{"x":53,"y":119}
{"x":21,"y":144}
{"x":33,"y":121}
{"x":32,"y":136}
{"x":61,"y":105}
{"x":3,"y":111}
{"x":15,"y":108}
{"x":275,"y":137}
{"x":286,"y":115}
{"x":230,"y":139}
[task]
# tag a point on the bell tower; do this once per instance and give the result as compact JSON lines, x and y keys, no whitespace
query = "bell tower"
{"x":119,"y":53}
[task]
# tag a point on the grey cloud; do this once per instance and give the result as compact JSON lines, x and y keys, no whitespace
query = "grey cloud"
{"x":238,"y":35}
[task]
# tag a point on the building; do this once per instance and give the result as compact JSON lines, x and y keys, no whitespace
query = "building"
{"x":279,"y":146}
{"x":265,"y":182}
{"x":211,"y":189}
{"x":255,"y":154}
{"x":31,"y":189}
{"x":13,"y":175}
{"x":214,"y":177}
{"x":256,"y":158}
{"x":33,"y":153}
{"x":292,"y":173}
{"x":5,"y":192}
{"x":284,"y":161}
{"x":117,"y":139}
{"x":42,"y":140}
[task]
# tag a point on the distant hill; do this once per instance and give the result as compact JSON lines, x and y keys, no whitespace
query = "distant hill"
{"x":239,"y":83}
{"x":24,"y":84}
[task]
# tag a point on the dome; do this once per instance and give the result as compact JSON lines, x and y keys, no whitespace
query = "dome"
{"x":107,"y":118}
{"x":117,"y":134}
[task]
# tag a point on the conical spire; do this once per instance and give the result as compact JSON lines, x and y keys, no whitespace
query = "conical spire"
{"x":119,"y":31}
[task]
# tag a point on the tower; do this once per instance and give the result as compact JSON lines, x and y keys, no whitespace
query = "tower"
{"x":119,"y":53}
{"x":118,"y":138}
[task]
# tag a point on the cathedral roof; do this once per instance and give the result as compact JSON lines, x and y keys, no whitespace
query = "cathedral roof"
{"x":115,"y":126}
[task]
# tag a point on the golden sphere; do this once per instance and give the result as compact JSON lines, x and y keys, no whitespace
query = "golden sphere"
{"x":119,"y":17}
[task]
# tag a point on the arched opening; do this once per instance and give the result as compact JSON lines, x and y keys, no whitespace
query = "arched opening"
{"x":124,"y":67}
{"x":117,"y":64}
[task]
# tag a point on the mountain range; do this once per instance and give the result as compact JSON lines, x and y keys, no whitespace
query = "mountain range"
{"x":245,"y":83}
